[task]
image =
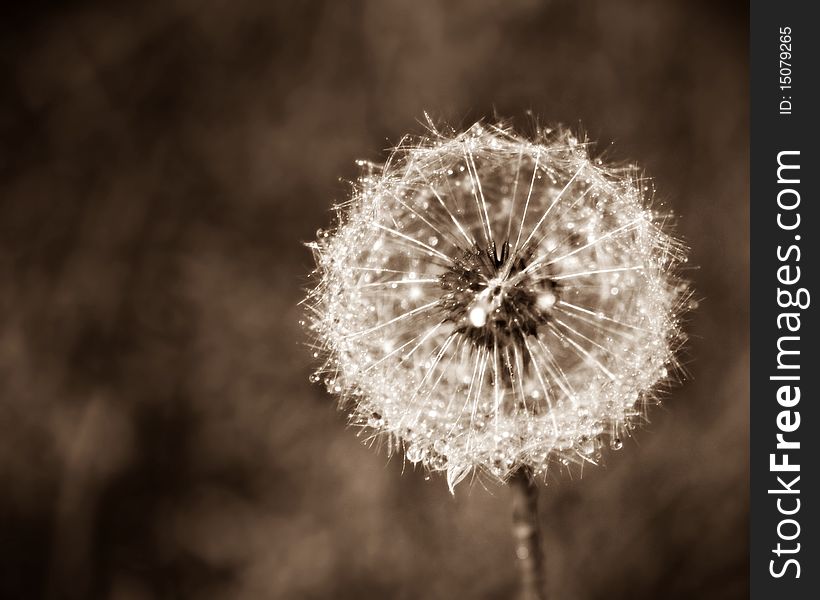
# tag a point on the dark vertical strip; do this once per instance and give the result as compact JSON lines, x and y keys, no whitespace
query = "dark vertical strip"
{"x":785,"y":53}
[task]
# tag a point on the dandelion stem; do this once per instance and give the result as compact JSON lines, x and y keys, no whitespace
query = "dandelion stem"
{"x":527,"y":534}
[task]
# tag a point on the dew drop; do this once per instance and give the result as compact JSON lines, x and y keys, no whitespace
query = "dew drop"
{"x":586,"y":445}
{"x":415,"y":453}
{"x":438,"y":462}
{"x":375,"y":420}
{"x":478,"y":316}
{"x":546,"y":300}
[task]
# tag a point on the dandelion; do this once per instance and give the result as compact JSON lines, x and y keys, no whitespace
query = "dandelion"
{"x":496,"y":304}
{"x":489,"y":302}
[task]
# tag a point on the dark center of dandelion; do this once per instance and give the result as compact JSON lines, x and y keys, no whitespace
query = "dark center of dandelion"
{"x":493,"y":300}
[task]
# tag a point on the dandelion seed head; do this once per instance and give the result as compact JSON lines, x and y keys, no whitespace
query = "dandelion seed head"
{"x":488,"y":301}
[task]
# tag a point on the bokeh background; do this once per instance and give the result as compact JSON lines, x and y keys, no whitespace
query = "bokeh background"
{"x":161,"y":165}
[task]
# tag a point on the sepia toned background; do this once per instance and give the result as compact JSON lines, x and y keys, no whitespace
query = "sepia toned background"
{"x":161,"y":165}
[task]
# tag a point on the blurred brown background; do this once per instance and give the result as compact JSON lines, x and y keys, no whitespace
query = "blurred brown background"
{"x":161,"y":165}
